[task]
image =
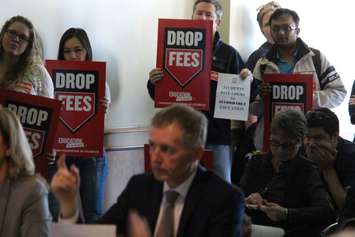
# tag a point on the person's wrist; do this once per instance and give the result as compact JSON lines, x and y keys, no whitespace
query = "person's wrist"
{"x":285,"y":213}
{"x":68,"y":209}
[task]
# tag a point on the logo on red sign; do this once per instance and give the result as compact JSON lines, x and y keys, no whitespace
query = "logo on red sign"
{"x":77,"y":92}
{"x":184,"y":54}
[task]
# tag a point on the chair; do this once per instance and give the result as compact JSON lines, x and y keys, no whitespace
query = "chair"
{"x":206,"y":161}
{"x":329,"y":230}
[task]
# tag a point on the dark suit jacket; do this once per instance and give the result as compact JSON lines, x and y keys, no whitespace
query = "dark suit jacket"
{"x":212,"y":206}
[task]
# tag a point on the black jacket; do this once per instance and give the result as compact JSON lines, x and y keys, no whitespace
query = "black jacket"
{"x":297,"y":186}
{"x":212,"y":207}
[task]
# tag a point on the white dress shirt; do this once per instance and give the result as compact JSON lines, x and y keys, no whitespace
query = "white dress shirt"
{"x":182,"y":189}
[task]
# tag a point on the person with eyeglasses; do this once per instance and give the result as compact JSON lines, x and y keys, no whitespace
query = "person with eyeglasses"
{"x":291,"y":55}
{"x":20,"y":69}
{"x":282,"y":188}
{"x":334,"y":156}
{"x":75,"y":45}
{"x":245,"y":145}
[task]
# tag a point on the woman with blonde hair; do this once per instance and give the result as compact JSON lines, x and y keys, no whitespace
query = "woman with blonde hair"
{"x":20,"y":69}
{"x":23,"y":196}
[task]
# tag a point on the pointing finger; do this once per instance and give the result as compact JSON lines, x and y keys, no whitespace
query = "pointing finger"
{"x":61,"y":162}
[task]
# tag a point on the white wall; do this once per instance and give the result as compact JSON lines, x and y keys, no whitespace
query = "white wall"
{"x":325,"y":25}
{"x":123,"y":33}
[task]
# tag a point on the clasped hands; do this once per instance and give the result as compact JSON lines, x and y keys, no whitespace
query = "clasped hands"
{"x":273,"y":210}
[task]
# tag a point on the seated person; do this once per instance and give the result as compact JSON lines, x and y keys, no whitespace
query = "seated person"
{"x":23,"y":195}
{"x":334,"y":155}
{"x":206,"y":205}
{"x":282,"y":188}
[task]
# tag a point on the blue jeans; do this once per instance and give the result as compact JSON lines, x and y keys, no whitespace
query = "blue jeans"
{"x":93,"y":173}
{"x":222,"y":161}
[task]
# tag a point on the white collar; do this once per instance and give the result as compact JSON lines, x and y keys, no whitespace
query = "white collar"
{"x":184,"y":187}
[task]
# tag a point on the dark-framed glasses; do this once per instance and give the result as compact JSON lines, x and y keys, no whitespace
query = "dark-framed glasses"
{"x":13,"y":34}
{"x":285,"y":146}
{"x":284,"y":29}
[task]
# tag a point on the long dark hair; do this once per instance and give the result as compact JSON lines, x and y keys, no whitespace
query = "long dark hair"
{"x":81,"y":35}
{"x":16,"y":72}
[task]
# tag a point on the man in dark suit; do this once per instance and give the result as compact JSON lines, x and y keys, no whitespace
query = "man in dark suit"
{"x":205,"y":205}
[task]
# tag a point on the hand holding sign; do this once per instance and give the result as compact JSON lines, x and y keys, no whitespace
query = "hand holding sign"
{"x":245,"y":73}
{"x":65,"y":186}
{"x":156,"y":75}
{"x":264,"y":89}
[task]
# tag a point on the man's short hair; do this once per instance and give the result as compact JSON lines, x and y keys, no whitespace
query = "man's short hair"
{"x":192,"y":122}
{"x":285,"y":12}
{"x":325,"y":119}
{"x":292,"y":122}
{"x":216,"y":4}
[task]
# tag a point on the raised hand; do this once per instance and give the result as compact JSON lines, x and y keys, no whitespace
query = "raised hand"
{"x":138,"y":226}
{"x":155,"y":75}
{"x":65,"y":187}
{"x":104,"y":104}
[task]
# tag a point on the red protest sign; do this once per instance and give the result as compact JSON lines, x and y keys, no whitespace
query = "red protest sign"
{"x":79,"y":86}
{"x":184,"y":54}
{"x":289,"y":91}
{"x":39,"y":117}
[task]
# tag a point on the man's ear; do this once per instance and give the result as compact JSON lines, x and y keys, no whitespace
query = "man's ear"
{"x":334,"y":138}
{"x":7,"y":152}
{"x":298,"y":30}
{"x":198,"y":152}
{"x":218,"y":21}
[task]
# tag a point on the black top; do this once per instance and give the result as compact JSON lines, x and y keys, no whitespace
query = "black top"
{"x":297,"y":186}
{"x":257,"y":54}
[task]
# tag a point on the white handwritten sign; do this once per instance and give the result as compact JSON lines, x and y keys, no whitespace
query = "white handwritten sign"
{"x":232,"y":97}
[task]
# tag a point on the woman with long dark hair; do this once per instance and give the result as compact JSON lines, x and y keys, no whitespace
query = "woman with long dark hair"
{"x":74,"y":45}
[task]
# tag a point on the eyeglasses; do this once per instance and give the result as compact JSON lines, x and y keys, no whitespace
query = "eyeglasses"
{"x":285,"y":146}
{"x":15,"y":35}
{"x":76,"y":50}
{"x":284,"y":29}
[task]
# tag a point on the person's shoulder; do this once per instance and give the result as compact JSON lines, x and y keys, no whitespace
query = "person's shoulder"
{"x":346,"y":150}
{"x":217,"y":185}
{"x":30,"y":187}
{"x":258,"y":158}
{"x":224,"y":47}
{"x":304,"y":163}
{"x":37,"y":68}
{"x":345,"y":145}
{"x":36,"y":183}
{"x":142,"y":180}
